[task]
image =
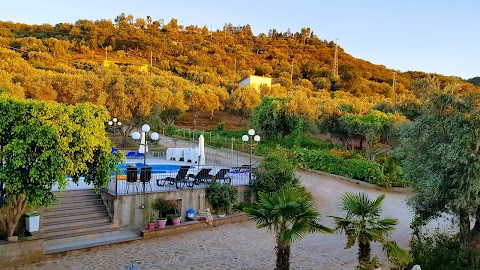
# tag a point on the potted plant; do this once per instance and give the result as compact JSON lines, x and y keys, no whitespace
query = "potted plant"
{"x":221,"y":212}
{"x":151,"y":217}
{"x":221,"y":197}
{"x":175,"y":219}
{"x":161,"y":206}
{"x":32,"y":221}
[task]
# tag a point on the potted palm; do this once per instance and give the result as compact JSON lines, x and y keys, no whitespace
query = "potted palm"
{"x":32,"y":221}
{"x":221,"y":197}
{"x":151,"y":217}
{"x":161,"y":206}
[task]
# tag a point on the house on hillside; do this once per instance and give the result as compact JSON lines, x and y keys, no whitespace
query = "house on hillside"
{"x":256,"y":82}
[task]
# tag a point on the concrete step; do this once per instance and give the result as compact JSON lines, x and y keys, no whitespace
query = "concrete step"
{"x":80,"y":216}
{"x":57,"y":239}
{"x":86,"y":229}
{"x":53,"y":226}
{"x":85,"y":202}
{"x":123,"y":236}
{"x":75,"y":192}
{"x":75,"y":216}
{"x":77,"y":197}
{"x":73,"y":210}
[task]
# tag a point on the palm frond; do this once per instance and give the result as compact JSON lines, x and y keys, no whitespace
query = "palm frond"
{"x":287,"y":212}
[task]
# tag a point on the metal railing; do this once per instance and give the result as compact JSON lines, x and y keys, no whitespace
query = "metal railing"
{"x":169,"y":180}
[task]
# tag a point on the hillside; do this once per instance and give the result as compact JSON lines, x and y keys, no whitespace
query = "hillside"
{"x":189,"y":68}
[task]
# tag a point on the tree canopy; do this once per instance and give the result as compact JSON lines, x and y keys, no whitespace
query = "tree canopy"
{"x":41,"y":143}
{"x":441,"y":159}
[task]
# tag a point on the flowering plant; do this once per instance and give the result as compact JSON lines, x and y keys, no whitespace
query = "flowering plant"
{"x":221,"y":196}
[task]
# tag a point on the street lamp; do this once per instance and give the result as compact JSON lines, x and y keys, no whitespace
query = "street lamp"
{"x":251,"y":137}
{"x":144,"y":147}
{"x":114,"y":123}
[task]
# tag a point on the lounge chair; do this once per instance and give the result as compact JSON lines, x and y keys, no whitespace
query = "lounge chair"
{"x":222,"y":175}
{"x":202,"y":176}
{"x":130,"y":154}
{"x":178,"y":180}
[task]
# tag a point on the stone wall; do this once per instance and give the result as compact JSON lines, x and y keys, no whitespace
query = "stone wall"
{"x":128,"y":212}
{"x":26,"y":250}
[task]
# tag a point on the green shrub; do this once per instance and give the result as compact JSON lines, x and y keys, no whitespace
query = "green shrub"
{"x":362,"y":170}
{"x":439,"y":252}
{"x":170,"y":130}
{"x":356,"y":168}
{"x":221,"y":196}
{"x":274,"y":173}
{"x":322,"y":161}
{"x":392,"y":170}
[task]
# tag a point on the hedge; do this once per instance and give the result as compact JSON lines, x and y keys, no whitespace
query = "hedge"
{"x":355,"y":168}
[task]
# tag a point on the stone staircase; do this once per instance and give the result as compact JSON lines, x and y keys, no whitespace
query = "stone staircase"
{"x":80,"y":215}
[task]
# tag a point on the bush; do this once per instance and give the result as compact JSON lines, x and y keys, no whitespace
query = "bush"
{"x":274,"y":173}
{"x":356,"y":168}
{"x":170,"y":130}
{"x":221,"y":196}
{"x":392,"y":170}
{"x":162,"y":206}
{"x":322,"y":161}
{"x":220,"y":126}
{"x":439,"y":252}
{"x":362,"y":170}
{"x":307,"y":142}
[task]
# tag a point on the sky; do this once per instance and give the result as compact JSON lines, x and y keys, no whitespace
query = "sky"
{"x":411,"y":35}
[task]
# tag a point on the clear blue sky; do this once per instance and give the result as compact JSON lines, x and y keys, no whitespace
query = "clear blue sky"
{"x":423,"y":35}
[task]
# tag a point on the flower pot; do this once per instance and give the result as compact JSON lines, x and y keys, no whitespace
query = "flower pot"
{"x":151,"y":226}
{"x":176,"y":221}
{"x":33,"y":223}
{"x":161,"y":222}
{"x":221,"y":215}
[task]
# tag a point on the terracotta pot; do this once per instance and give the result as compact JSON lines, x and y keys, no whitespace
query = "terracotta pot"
{"x":151,"y":226}
{"x":176,"y":221}
{"x":161,"y":222}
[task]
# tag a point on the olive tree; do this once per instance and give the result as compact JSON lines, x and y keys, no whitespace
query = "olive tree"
{"x":441,"y":151}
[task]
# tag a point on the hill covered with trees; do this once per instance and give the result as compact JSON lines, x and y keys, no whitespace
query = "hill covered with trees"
{"x":195,"y":69}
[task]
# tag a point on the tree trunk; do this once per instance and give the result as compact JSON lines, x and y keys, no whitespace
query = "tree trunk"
{"x":464,"y":227}
{"x":477,"y":220}
{"x":363,"y":253}
{"x":10,"y":214}
{"x":283,"y":257}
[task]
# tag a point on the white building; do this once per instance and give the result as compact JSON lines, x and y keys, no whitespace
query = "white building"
{"x":256,"y":82}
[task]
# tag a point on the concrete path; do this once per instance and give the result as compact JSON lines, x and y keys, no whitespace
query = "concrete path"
{"x":241,"y":245}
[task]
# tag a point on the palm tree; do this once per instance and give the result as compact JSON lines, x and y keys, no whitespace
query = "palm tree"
{"x":364,"y":225}
{"x":291,"y":214}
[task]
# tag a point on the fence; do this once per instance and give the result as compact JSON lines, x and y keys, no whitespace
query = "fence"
{"x":176,"y":177}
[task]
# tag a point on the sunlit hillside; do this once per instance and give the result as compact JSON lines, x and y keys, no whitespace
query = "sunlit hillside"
{"x":138,"y":67}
